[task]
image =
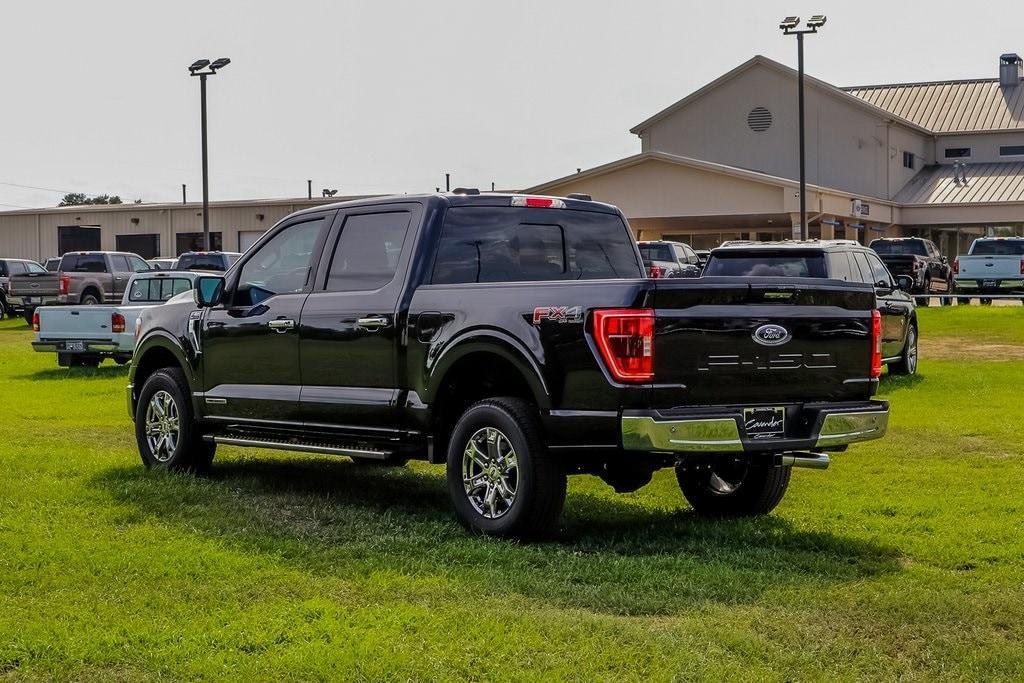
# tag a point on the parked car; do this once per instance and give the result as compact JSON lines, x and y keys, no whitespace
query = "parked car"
{"x":85,"y":335}
{"x":207,"y":260}
{"x":165,"y":263}
{"x":993,"y":265}
{"x":516,"y":339}
{"x":920,"y":260}
{"x":10,"y":267}
{"x":52,"y":264}
{"x":669,"y":259}
{"x":844,"y":261}
{"x":702,"y":256}
{"x":83,"y":277}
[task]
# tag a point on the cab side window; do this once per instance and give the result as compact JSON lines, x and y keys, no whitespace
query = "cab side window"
{"x":137,"y":264}
{"x":283,"y":265}
{"x":366,"y":254}
{"x":879,"y":273}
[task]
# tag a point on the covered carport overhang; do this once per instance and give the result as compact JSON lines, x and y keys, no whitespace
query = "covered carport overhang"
{"x":664,"y":194}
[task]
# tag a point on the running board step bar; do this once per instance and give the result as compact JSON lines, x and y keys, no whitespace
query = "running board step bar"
{"x":814,"y":461}
{"x":304,"y":447}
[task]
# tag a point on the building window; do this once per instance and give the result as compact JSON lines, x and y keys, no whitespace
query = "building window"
{"x":908,"y":160}
{"x":958,"y":152}
{"x":1011,"y":150}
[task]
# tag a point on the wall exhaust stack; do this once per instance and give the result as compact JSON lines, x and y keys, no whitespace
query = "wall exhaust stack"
{"x":1010,"y":67}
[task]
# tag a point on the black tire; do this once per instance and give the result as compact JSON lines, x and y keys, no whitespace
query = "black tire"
{"x":5,"y":310}
{"x":189,"y":452}
{"x":950,"y":289}
{"x":986,"y":302}
{"x":732,"y":487}
{"x":907,"y":364}
{"x":64,"y":359}
{"x":390,"y":461}
{"x":539,"y":480}
{"x":122,"y":360}
{"x":84,"y":361}
{"x":27,"y":316}
{"x":89,"y":299}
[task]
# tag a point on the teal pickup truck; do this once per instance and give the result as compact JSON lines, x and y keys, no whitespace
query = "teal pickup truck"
{"x":85,"y":335}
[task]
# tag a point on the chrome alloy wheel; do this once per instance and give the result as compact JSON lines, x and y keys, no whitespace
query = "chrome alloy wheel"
{"x":163,"y":428}
{"x":912,"y":350}
{"x":490,"y":472}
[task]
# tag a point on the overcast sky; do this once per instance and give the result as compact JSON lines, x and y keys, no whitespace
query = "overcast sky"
{"x":379,"y":96}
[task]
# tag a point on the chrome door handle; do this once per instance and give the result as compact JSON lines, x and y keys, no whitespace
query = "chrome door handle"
{"x":372,"y":324}
{"x":281,"y":325}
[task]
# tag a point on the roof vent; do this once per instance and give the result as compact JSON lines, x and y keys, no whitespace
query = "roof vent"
{"x":1009,"y":69}
{"x":579,"y":196}
{"x":759,"y":119}
{"x":466,"y":190}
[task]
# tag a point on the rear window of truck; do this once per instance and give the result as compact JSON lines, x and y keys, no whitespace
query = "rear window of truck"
{"x":499,"y":244}
{"x":201,"y":262}
{"x":655,"y":252}
{"x":83,"y":263}
{"x":151,"y":290}
{"x":766,"y":265}
{"x":998,"y":248}
{"x":900,"y":248}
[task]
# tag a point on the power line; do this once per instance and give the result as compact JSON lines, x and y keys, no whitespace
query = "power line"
{"x":17,"y":206}
{"x":48,"y":189}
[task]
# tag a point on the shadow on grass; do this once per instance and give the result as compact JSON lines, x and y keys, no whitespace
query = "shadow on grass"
{"x":104,"y":371}
{"x":890,"y":382}
{"x":613,"y":555}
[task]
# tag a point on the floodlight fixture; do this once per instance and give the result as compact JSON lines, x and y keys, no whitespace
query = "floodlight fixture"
{"x":817,"y":21}
{"x":220,"y":63}
{"x":789,"y":23}
{"x":198,"y":65}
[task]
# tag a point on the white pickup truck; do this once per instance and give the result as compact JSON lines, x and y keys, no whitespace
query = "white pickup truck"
{"x":993,"y":265}
{"x":85,"y":335}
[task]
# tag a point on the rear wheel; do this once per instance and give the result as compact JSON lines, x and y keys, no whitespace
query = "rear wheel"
{"x":166,"y":430}
{"x":89,"y":299}
{"x":907,"y":364}
{"x":501,"y":479}
{"x":83,"y":361}
{"x":732,"y":487}
{"x":27,"y":315}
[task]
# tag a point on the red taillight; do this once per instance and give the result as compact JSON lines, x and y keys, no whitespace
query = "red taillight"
{"x":65,"y":283}
{"x":625,"y":338}
{"x":537,"y":202}
{"x":876,"y":344}
{"x":956,"y":266}
{"x":1022,"y":265}
{"x":655,"y":272}
{"x":116,"y":323}
{"x":35,"y":321}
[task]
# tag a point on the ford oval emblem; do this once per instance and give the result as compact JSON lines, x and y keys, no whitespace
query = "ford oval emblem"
{"x":771,"y":335}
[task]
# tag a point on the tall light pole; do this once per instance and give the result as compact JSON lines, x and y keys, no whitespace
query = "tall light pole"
{"x":204,"y":68}
{"x":789,"y":27}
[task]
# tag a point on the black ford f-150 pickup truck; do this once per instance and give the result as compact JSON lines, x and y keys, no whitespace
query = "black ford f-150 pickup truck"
{"x":515,"y":339}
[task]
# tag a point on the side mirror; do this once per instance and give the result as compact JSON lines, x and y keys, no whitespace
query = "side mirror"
{"x":904,"y":283}
{"x":208,"y":291}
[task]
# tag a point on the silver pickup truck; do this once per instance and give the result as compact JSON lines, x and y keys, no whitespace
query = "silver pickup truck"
{"x":993,"y":265}
{"x":85,"y":335}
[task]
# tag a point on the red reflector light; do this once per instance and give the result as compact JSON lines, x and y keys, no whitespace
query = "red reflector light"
{"x":1022,"y":266}
{"x":956,"y":266}
{"x":625,"y":338}
{"x":116,"y":323}
{"x":65,"y":283}
{"x":537,"y":202}
{"x":655,"y":272}
{"x":876,"y":343}
{"x":35,"y":321}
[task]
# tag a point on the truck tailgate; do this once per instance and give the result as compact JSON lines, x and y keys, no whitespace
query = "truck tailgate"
{"x":985,"y":267}
{"x":759,"y":340}
{"x":35,"y":284}
{"x":75,"y":322}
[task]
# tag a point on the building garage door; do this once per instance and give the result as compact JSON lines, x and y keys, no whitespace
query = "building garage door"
{"x":78,"y":238}
{"x":193,"y":241}
{"x":247,"y":238}
{"x":146,"y":246}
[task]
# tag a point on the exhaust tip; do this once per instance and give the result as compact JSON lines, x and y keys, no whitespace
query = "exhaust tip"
{"x":814,"y":461}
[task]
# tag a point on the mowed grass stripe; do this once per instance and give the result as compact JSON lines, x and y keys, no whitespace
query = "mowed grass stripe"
{"x":903,"y":559}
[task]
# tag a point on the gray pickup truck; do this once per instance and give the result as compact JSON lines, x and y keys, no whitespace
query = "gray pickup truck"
{"x":83,"y":277}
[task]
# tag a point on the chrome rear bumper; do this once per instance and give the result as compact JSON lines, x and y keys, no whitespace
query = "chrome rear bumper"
{"x":829,"y":428}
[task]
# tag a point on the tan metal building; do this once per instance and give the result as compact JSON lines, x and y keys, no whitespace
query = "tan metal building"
{"x":942,"y":160}
{"x":149,"y":230}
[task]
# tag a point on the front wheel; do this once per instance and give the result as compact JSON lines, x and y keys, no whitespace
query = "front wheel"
{"x":907,"y":364}
{"x":732,"y":487}
{"x":501,"y":479}
{"x":165,"y":427}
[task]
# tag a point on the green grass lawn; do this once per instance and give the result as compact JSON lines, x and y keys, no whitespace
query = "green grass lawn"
{"x":904,"y":559}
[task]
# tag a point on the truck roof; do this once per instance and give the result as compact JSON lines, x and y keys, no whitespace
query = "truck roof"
{"x":462,"y":199}
{"x":824,"y":245}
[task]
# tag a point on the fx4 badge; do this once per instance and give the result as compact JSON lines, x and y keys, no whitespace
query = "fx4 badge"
{"x":558,"y":314}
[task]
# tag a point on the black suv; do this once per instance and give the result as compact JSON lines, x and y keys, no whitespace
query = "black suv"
{"x":207,"y":260}
{"x":843,"y":260}
{"x":920,"y":260}
{"x":669,"y":259}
